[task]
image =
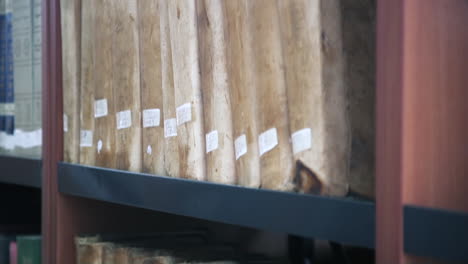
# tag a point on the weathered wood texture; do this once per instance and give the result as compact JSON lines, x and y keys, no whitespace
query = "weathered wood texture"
{"x":87,"y":151}
{"x":171,"y":145}
{"x":276,"y":163}
{"x":151,"y":86}
{"x":104,"y":126}
{"x":215,"y":89}
{"x":71,"y":39}
{"x":358,"y":20}
{"x":186,"y":70}
{"x":242,"y":88}
{"x":312,"y":48}
{"x":126,"y":83}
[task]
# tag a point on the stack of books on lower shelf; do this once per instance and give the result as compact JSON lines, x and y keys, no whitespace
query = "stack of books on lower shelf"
{"x":21,"y":249}
{"x":161,"y":248}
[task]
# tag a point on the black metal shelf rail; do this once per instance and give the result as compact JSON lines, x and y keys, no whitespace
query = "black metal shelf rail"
{"x":20,"y":171}
{"x":346,"y":221}
{"x":436,"y":233}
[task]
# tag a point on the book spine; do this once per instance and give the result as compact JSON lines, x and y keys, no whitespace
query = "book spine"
{"x":104,"y":108}
{"x":151,"y":86}
{"x":242,"y":91}
{"x":13,"y":253}
{"x":219,"y":150}
{"x":7,"y":106}
{"x":71,"y":37}
{"x":37,"y":72}
{"x":29,"y":249}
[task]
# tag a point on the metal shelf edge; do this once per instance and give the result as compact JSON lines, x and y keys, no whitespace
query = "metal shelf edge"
{"x":21,"y":171}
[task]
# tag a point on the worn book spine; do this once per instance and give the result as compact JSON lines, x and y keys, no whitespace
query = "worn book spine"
{"x":219,"y":141}
{"x":94,"y":253}
{"x":359,"y":18}
{"x":160,"y":260}
{"x":122,"y":255}
{"x":29,"y":249}
{"x":87,"y":150}
{"x":80,"y":243}
{"x":276,"y":162}
{"x":71,"y":42}
{"x":242,"y":88}
{"x":126,"y":85}
{"x":7,"y":102}
{"x":37,"y":72}
{"x":312,"y":50}
{"x":188,"y":98}
{"x":151,"y":86}
{"x":104,"y":118}
{"x":171,"y":145}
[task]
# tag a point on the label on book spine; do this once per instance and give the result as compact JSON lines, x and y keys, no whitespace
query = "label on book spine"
{"x":151,"y":117}
{"x":170,"y":128}
{"x":240,"y":145}
{"x":100,"y":108}
{"x":267,"y":141}
{"x":86,"y":138}
{"x":184,"y":113}
{"x":211,"y":141}
{"x":301,"y":140}
{"x":124,"y":119}
{"x":65,"y":123}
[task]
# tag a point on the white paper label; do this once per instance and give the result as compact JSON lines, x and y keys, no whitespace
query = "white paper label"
{"x":124,"y":119}
{"x":28,"y":139}
{"x":99,"y":146}
{"x":65,"y":123}
{"x":149,"y":150}
{"x":100,"y":108}
{"x":86,"y":138}
{"x":184,"y":113}
{"x":267,"y":141}
{"x":151,"y":117}
{"x":170,"y":127}
{"x":211,"y":141}
{"x":301,"y":140}
{"x":240,"y":145}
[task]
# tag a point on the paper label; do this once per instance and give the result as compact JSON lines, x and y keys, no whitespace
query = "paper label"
{"x":301,"y":140}
{"x":99,"y":146}
{"x":240,"y":145}
{"x":100,"y":108}
{"x":151,"y":117}
{"x":21,"y":139}
{"x":267,"y":141}
{"x":86,"y":138}
{"x":184,"y":113}
{"x":170,"y":128}
{"x":124,"y":119}
{"x":149,"y":150}
{"x":211,"y":141}
{"x":65,"y":123}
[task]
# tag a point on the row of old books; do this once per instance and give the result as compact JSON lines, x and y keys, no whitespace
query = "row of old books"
{"x":20,"y":77}
{"x":21,"y":249}
{"x":270,"y":94}
{"x":161,"y":248}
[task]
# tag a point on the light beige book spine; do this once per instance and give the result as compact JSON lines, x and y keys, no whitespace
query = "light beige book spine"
{"x":126,"y":83}
{"x":103,"y":104}
{"x":219,"y":150}
{"x":359,"y":18}
{"x":71,"y":42}
{"x":151,"y":87}
{"x":171,"y":145}
{"x":276,"y":161}
{"x":242,"y":88}
{"x":87,"y":151}
{"x":312,"y":49}
{"x":92,"y":252}
{"x":188,"y":98}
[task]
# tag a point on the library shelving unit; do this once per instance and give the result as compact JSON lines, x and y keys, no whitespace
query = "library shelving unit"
{"x":420,"y":212}
{"x":20,"y":171}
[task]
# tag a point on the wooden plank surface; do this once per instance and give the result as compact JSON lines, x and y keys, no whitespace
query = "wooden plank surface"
{"x":242,"y":87}
{"x":215,"y":89}
{"x":71,"y":39}
{"x":276,"y":162}
{"x":151,"y":87}
{"x":126,"y":83}
{"x":188,"y":97}
{"x":318,"y":120}
{"x":104,"y":125}
{"x":171,"y":145}
{"x":86,"y":100}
